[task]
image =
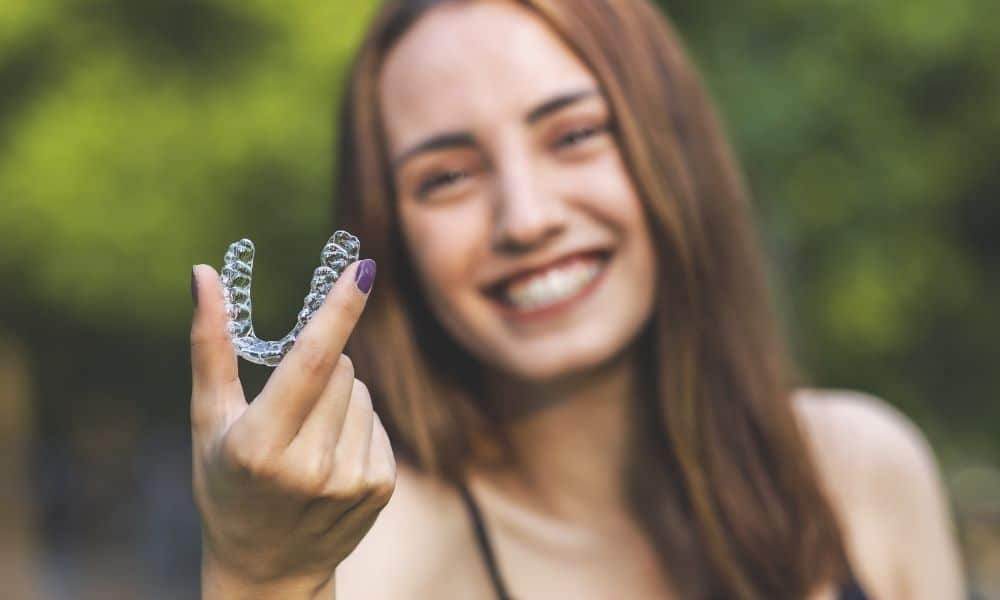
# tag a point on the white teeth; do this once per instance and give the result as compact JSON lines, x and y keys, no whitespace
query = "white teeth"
{"x":551,"y":286}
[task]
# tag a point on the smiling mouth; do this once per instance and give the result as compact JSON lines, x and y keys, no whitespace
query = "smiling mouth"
{"x":556,"y":286}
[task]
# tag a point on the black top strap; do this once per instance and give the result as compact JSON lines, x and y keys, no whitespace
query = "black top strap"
{"x":850,"y":590}
{"x":483,"y":539}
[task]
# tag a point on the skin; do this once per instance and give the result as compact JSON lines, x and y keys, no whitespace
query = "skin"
{"x":515,"y":193}
{"x":526,"y":187}
{"x":287,"y":485}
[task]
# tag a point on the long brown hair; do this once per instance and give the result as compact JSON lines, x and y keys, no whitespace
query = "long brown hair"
{"x":719,"y":477}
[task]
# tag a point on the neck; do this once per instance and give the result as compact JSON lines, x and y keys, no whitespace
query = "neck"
{"x":571,"y":435}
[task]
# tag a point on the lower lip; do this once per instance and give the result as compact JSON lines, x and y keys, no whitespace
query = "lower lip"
{"x":550,"y":310}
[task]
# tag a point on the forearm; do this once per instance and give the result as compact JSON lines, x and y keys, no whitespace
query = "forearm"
{"x":218,"y":584}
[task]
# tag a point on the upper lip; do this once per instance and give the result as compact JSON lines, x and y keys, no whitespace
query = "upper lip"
{"x":540,"y":265}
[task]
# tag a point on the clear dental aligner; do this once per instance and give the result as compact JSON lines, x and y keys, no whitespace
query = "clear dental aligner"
{"x":340,"y":250}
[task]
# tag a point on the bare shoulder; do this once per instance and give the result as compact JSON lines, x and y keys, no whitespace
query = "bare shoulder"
{"x":847,"y":426}
{"x":418,"y":535}
{"x":882,"y":476}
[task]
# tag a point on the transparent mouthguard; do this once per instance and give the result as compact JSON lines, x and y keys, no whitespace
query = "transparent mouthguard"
{"x":340,"y":250}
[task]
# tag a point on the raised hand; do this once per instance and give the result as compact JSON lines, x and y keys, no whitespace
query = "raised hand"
{"x":289,"y":484}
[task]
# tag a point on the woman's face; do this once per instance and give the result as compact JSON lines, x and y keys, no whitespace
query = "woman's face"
{"x":523,"y":226}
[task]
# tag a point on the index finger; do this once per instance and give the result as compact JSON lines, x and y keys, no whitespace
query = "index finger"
{"x":296,"y":384}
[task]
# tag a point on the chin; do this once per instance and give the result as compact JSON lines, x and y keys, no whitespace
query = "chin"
{"x":565,"y":359}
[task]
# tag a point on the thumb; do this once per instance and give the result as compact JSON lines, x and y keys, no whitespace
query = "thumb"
{"x":213,"y":359}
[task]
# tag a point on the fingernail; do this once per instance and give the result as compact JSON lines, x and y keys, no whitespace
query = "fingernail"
{"x":364,"y":277}
{"x":194,"y":288}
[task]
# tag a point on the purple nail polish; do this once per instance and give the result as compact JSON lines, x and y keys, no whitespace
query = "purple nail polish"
{"x":364,"y":277}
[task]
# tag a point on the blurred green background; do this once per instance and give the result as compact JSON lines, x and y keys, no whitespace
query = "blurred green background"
{"x":138,"y":137}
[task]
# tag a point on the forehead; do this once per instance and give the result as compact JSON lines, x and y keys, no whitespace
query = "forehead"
{"x":466,"y":65}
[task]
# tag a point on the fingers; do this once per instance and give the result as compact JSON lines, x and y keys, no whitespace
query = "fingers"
{"x":337,"y":465}
{"x":356,"y":435}
{"x":371,"y":469}
{"x":322,"y":427}
{"x":213,"y":360}
{"x":297,"y":383}
{"x":381,"y":459}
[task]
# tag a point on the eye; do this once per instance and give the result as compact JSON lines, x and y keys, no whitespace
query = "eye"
{"x":437,"y":180}
{"x":576,"y":136}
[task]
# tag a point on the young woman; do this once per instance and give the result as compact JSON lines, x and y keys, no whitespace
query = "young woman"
{"x":571,"y":349}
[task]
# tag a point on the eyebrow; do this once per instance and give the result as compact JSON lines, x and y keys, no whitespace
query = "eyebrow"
{"x":559,"y":102}
{"x":464,"y":139}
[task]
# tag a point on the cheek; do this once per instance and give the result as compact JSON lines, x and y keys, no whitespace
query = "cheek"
{"x":611,"y":198}
{"x":444,"y":245}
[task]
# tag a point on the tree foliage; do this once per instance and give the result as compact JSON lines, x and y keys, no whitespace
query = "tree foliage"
{"x":871,"y":135}
{"x":140,"y":137}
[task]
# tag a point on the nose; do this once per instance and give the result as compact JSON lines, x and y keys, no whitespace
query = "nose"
{"x":526,"y":214}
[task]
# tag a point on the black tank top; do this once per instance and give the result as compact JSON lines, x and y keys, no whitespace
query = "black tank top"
{"x":850,"y":590}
